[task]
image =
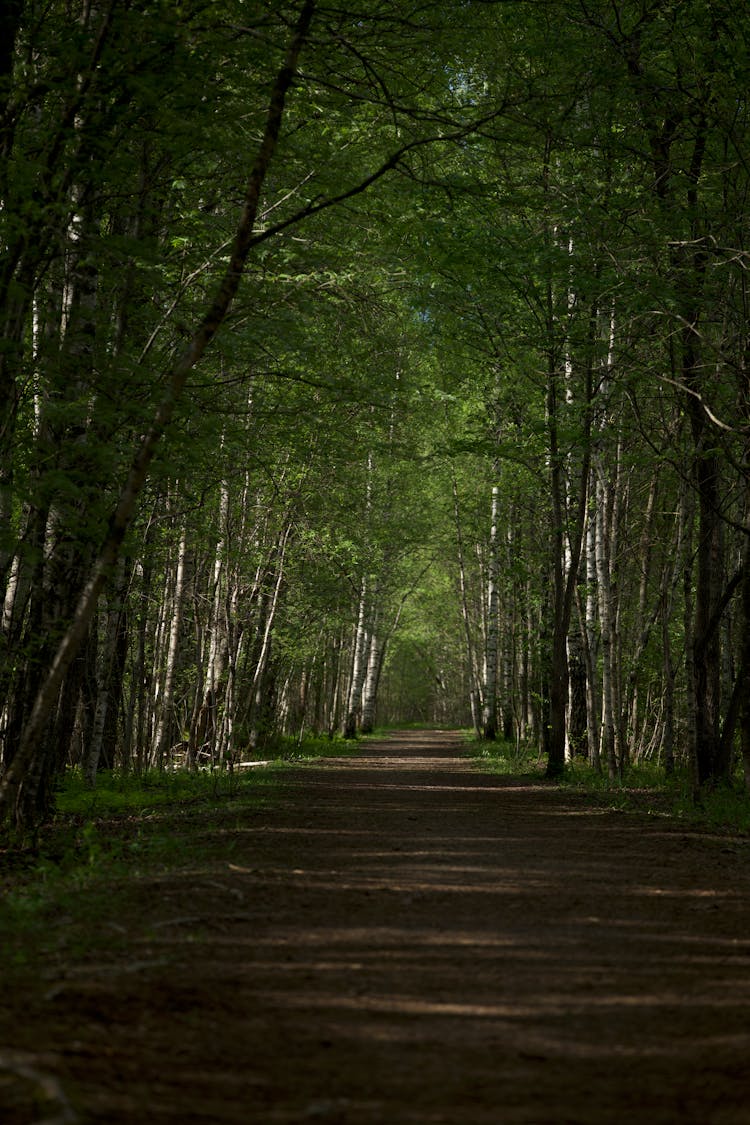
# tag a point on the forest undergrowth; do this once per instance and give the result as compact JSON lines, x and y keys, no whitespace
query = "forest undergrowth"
{"x":645,"y":787}
{"x":130,"y":827}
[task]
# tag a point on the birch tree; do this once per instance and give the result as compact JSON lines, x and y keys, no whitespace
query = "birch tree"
{"x":96,"y":105}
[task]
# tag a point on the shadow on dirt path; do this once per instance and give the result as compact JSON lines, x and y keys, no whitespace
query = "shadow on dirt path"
{"x":405,"y":939}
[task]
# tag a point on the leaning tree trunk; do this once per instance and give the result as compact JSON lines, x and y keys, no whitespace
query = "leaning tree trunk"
{"x":17,"y":788}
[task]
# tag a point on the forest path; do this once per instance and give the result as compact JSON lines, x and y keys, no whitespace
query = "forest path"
{"x":402,"y":938}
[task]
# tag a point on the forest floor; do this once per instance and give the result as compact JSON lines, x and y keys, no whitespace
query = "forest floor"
{"x":400,"y":938}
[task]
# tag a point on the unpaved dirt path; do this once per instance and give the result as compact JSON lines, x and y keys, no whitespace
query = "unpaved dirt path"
{"x":404,"y":939}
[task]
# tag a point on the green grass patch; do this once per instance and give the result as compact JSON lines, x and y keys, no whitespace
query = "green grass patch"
{"x":313,"y":746}
{"x":502,"y":756}
{"x":724,"y":807}
{"x":129,"y":829}
{"x":645,"y":788}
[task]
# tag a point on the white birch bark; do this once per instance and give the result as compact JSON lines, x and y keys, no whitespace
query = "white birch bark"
{"x":618,"y":508}
{"x":643,"y":623}
{"x":203,"y":722}
{"x":489,"y":690}
{"x":12,"y":594}
{"x":20,"y":783}
{"x":372,"y":679}
{"x":164,"y":714}
{"x":590,"y":615}
{"x":608,"y":742}
{"x":140,"y":700}
{"x":359,"y":667}
{"x":262,"y":662}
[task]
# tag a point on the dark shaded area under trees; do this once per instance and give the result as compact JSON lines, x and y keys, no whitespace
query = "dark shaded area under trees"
{"x":372,"y":362}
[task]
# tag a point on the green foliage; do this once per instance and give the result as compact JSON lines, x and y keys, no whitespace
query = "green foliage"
{"x":725,"y":807}
{"x":646,"y":788}
{"x":313,"y":746}
{"x":129,"y":828}
{"x":379,"y":353}
{"x":504,"y":757}
{"x":118,"y":793}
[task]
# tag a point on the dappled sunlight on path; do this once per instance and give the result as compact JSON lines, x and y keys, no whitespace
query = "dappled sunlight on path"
{"x":402,"y":938}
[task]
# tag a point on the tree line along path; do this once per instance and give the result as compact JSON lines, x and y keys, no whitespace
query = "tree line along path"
{"x":368,"y":363}
{"x":400,"y":937}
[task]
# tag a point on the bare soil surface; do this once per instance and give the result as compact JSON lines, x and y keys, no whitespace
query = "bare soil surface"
{"x":404,"y":939}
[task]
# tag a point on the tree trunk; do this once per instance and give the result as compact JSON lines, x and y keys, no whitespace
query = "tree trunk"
{"x":591,"y":632}
{"x":17,"y":804}
{"x":744,"y":672}
{"x":359,"y":667}
{"x":578,"y":713}
{"x":474,"y":679}
{"x":706,"y":671}
{"x":372,"y":681}
{"x":174,"y":604}
{"x":105,"y":668}
{"x":489,"y":686}
{"x":643,"y":622}
{"x":213,"y":663}
{"x":568,"y":484}
{"x":609,"y":747}
{"x":262,"y":691}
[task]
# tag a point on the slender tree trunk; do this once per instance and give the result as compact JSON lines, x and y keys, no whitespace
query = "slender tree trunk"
{"x":508,"y":695}
{"x":591,"y":630}
{"x":578,"y":713}
{"x":213,"y":665}
{"x":744,"y":672}
{"x":359,"y":667}
{"x":564,"y":579}
{"x":568,"y":519}
{"x":372,"y":681}
{"x":609,"y":746}
{"x":643,"y":623}
{"x":474,"y":679}
{"x":691,"y":724}
{"x":265,"y":674}
{"x":489,"y":686}
{"x":333,"y":684}
{"x":105,"y":675}
{"x":164,"y":721}
{"x":706,"y":671}
{"x":117,"y":742}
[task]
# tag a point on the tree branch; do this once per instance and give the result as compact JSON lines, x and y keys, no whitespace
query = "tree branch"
{"x":19,"y":785}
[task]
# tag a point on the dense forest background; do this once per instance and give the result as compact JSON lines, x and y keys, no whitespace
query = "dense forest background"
{"x":376,"y":360}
